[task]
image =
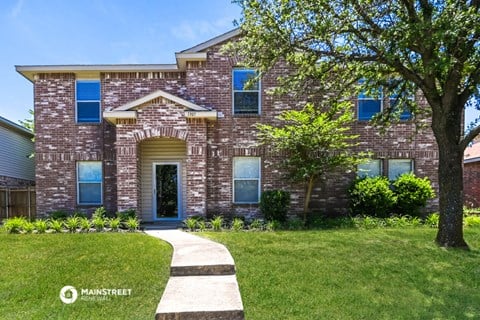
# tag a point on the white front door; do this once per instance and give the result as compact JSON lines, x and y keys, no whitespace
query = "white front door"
{"x":167,"y":195}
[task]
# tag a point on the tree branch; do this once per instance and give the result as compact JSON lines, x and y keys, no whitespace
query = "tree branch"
{"x":469,"y":137}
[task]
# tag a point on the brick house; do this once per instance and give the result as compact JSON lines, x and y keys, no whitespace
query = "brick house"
{"x":471,"y":175}
{"x":172,"y":140}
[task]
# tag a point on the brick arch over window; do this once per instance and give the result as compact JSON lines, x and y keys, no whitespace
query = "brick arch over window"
{"x":160,"y":132}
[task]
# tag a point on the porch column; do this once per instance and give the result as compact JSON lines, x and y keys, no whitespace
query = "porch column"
{"x":197,"y":168}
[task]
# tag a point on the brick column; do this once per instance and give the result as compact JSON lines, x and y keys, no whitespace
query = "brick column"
{"x":127,"y":176}
{"x":197,"y":168}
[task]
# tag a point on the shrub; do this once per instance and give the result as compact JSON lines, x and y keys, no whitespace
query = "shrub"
{"x":114,"y":223}
{"x":274,"y":205}
{"x":201,"y":225}
{"x":295,"y":224}
{"x":72,"y":223}
{"x":28,"y":227}
{"x":14,"y":225}
{"x":471,"y":221}
{"x":41,"y":226}
{"x":191,"y":223}
{"x":58,"y":215}
{"x":237,"y":224}
{"x":272,"y":225}
{"x":132,"y":224}
{"x":256,"y":224}
{"x":56,"y":225}
{"x":368,"y":222}
{"x":412,"y":194}
{"x":432,"y":220}
{"x":98,"y":222}
{"x":99,"y":212}
{"x":217,"y":223}
{"x":126,"y":214}
{"x":79,"y":214}
{"x":85,"y":224}
{"x":371,"y":196}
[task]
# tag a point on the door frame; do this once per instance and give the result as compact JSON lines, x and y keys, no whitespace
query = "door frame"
{"x":179,"y":190}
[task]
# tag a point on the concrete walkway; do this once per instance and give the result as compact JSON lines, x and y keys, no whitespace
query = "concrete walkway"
{"x":202,"y":282}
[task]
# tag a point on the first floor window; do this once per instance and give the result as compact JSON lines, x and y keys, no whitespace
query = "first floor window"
{"x":246,"y":180}
{"x":370,"y":168}
{"x":397,"y":167}
{"x":89,"y":182}
{"x":394,"y":168}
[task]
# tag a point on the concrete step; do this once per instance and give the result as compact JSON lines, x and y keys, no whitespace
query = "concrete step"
{"x":201,"y":298}
{"x":195,"y":256}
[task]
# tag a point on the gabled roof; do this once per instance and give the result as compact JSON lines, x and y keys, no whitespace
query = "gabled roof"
{"x":214,"y":41}
{"x":125,"y":111}
{"x":160,"y":94}
{"x":15,"y":127}
{"x":198,"y":53}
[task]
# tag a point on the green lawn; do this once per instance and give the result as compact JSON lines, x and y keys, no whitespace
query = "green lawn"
{"x":33,"y":269}
{"x":355,"y":274}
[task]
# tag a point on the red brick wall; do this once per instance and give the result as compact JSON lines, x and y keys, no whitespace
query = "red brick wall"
{"x":471,"y":184}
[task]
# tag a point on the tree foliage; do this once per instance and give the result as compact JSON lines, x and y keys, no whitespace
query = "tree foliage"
{"x":405,"y":46}
{"x":314,"y":142}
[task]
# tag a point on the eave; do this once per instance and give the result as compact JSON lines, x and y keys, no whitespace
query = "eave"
{"x":93,"y":71}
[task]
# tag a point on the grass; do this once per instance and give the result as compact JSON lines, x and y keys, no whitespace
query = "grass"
{"x":355,"y":274}
{"x":35,"y":267}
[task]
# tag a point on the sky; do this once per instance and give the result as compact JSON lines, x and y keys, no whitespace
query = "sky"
{"x":56,"y":32}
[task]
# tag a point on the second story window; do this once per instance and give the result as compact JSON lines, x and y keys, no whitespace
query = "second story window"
{"x":246,"y":95}
{"x":88,"y":101}
{"x":396,"y":104}
{"x":369,"y":105}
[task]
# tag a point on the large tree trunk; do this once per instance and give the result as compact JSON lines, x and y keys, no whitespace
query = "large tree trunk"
{"x":448,"y":129}
{"x":450,"y":176}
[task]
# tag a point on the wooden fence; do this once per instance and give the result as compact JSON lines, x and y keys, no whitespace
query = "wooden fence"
{"x":15,"y":202}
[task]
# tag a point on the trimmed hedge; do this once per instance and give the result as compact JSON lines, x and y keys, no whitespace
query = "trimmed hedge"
{"x":379,"y":198}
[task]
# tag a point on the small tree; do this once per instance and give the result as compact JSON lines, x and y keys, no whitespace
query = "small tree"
{"x":314,"y":142}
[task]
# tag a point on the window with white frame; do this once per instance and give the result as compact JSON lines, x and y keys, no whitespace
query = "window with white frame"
{"x":397,"y":167}
{"x":89,"y":182}
{"x":370,"y":168}
{"x":246,"y":94}
{"x":88,"y":101}
{"x":246,"y":179}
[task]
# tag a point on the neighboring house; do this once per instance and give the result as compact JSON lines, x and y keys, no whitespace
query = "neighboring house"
{"x":471,"y":175}
{"x":172,"y":140}
{"x":17,"y":171}
{"x":17,"y":167}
